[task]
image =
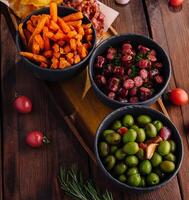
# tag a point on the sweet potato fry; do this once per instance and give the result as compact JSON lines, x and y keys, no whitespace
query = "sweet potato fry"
{"x":75,"y":24}
{"x":34,"y":57}
{"x":73,"y":44}
{"x":62,"y":50}
{"x":40,"y":41}
{"x":30,"y":26}
{"x":72,"y":34}
{"x":48,"y":53}
{"x":89,"y":37}
{"x":79,"y":37}
{"x":56,"y":47}
{"x":88,"y":31}
{"x":61,"y":42}
{"x":81,"y":30}
{"x":44,"y":65}
{"x":53,"y":26}
{"x":53,"y":11}
{"x":77,"y":59}
{"x":73,"y":17}
{"x":35,"y":48}
{"x":64,"y":27}
{"x":67,"y":48}
{"x":21,"y":32}
{"x":63,"y":63}
{"x":70,"y":58}
{"x":55,"y":63}
{"x":56,"y":54}
{"x":86,"y":26}
{"x":87,"y":45}
{"x":38,"y":29}
{"x":58,"y":35}
{"x":46,"y":39}
{"x":35,"y":19}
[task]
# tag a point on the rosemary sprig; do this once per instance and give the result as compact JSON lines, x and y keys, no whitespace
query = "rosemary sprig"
{"x":72,"y":183}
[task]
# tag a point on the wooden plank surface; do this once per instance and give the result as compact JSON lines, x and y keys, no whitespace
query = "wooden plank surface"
{"x":170,"y":30}
{"x":32,"y":173}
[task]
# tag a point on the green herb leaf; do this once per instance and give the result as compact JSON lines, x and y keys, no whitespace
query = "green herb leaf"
{"x":72,"y":183}
{"x":134,"y":72}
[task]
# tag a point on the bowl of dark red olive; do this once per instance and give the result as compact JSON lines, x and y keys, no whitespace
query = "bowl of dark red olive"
{"x":138,"y":148}
{"x":129,"y":69}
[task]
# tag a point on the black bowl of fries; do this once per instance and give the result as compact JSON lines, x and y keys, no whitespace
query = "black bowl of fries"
{"x":56,"y":43}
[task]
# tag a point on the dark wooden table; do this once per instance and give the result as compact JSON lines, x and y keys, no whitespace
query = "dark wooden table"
{"x":29,"y":174}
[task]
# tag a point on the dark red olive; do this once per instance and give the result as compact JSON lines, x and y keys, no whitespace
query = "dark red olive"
{"x":111,"y":53}
{"x":133,"y":100}
{"x":126,"y":59}
{"x":153,"y":73}
{"x":158,"y":79}
{"x":158,"y":65}
{"x":128,"y":84}
{"x":143,"y":49}
{"x":152,"y":58}
{"x":133,"y":91}
{"x":138,"y":81}
{"x":123,"y":92}
{"x":100,"y":62}
{"x":143,"y":63}
{"x":145,"y":93}
{"x":111,"y":95}
{"x":126,"y":46}
{"x":100,"y":80}
{"x":118,"y":71}
{"x":152,"y":52}
{"x":143,"y":73}
{"x":113,"y":84}
{"x":165,"y":133}
{"x":142,"y":146}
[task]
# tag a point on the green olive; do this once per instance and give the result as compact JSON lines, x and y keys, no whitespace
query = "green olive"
{"x":132,"y":170}
{"x":134,"y":180}
{"x":142,"y":182}
{"x":150,"y":130}
{"x":152,"y":179}
{"x":170,"y":157}
{"x":122,"y":178}
{"x":113,"y":149}
{"x":135,"y":127}
{"x":131,"y":161}
{"x":106,"y":132}
{"x":116,"y":125}
{"x":120,"y":168}
{"x":173,"y":145}
{"x":140,"y":154}
{"x":156,"y":159}
{"x":167,"y":166}
{"x":143,"y":120}
{"x":145,"y":167}
{"x":113,"y":138}
{"x":119,"y":154}
{"x":128,"y":120}
{"x":158,"y":124}
{"x":130,"y":136}
{"x":109,"y":162}
{"x":103,"y":149}
{"x":131,"y":148}
{"x":141,"y":135}
{"x":164,"y":148}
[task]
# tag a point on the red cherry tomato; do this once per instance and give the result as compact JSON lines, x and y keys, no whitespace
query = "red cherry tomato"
{"x":178,"y":97}
{"x":36,"y":139}
{"x":22,"y":104}
{"x":122,"y":130}
{"x":175,"y":2}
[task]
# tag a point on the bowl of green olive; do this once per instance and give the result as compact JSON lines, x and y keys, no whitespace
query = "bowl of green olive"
{"x":138,"y":148}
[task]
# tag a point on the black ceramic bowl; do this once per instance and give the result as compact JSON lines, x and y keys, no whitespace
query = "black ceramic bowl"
{"x":135,"y":40}
{"x":58,"y":74}
{"x":155,"y":115}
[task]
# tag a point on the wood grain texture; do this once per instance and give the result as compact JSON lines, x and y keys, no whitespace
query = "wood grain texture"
{"x":171,"y":31}
{"x":32,"y":173}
